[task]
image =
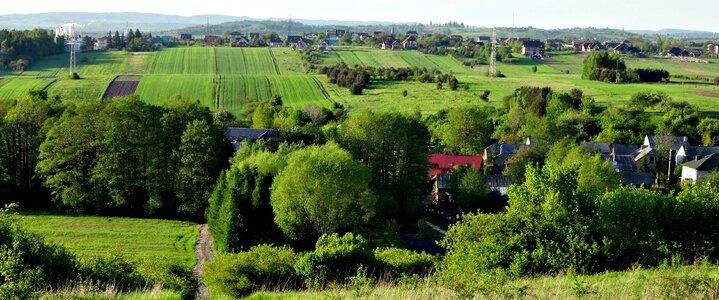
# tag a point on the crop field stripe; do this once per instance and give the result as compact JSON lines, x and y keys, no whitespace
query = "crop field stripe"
{"x":274,"y":61}
{"x":322,"y":88}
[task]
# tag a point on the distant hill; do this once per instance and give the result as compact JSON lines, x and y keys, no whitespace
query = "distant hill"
{"x":680,"y":33}
{"x":103,"y":22}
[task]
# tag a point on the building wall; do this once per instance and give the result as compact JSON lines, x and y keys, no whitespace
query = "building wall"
{"x":689,"y":175}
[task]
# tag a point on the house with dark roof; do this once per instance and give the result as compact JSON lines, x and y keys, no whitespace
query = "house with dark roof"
{"x":695,"y":170}
{"x":390,"y":44}
{"x":690,"y":153}
{"x":410,"y":42}
{"x":185,"y":36}
{"x":483,"y":39}
{"x":600,"y":148}
{"x":498,"y":183}
{"x":412,"y":33}
{"x":532,"y":48}
{"x":237,"y":136}
{"x":497,"y":155}
{"x":676,"y":51}
{"x":637,"y":179}
{"x":652,"y":144}
{"x":625,"y":49}
{"x":444,"y":163}
{"x":590,"y":47}
{"x":322,"y":46}
{"x":622,"y":156}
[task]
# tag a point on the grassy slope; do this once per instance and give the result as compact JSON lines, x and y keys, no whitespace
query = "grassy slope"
{"x":17,"y":87}
{"x":137,"y":239}
{"x":690,"y":282}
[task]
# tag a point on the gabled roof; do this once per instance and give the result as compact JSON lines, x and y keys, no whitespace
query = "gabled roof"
{"x":447,"y":162}
{"x":532,"y":44}
{"x":410,"y":38}
{"x":694,"y":151}
{"x":625,"y":163}
{"x":636,"y":178}
{"x":294,"y":38}
{"x":708,"y":163}
{"x":251,"y":133}
{"x":624,"y":149}
{"x":675,"y":142}
{"x":603,"y":148}
{"x":495,"y":150}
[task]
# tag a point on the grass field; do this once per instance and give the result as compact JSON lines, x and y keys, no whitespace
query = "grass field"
{"x":246,"y":61}
{"x":136,"y":239}
{"x":218,"y":77}
{"x":687,"y":282}
{"x":296,"y":91}
{"x":184,"y":61}
{"x":17,"y":87}
{"x":156,"y":89}
{"x":288,"y":61}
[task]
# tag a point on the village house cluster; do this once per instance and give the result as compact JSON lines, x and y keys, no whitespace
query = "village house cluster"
{"x":634,"y":163}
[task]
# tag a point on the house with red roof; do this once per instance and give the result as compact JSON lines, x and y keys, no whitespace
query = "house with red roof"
{"x":444,"y":163}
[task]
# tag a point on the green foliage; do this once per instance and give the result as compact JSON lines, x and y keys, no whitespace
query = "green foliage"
{"x":375,"y":139}
{"x":334,"y":259}
{"x":600,"y":60}
{"x":473,"y":194}
{"x":240,"y":274}
{"x":92,"y":163}
{"x":322,"y":190}
{"x":467,"y":130}
{"x":401,"y":262}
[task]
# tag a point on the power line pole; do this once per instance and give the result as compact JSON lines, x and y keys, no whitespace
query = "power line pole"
{"x":493,"y":57}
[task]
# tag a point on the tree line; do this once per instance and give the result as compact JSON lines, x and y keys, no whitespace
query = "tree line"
{"x":357,"y":78}
{"x":20,"y":48}
{"x":609,"y":67}
{"x":121,"y":157}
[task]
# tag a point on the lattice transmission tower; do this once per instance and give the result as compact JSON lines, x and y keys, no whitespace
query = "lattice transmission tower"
{"x":493,"y":57}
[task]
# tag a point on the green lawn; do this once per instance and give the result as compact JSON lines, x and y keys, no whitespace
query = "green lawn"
{"x":137,"y":239}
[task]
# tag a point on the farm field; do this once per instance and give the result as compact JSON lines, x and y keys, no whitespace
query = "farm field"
{"x":296,"y":91}
{"x":184,"y":61}
{"x":228,"y":76}
{"x":288,"y":61}
{"x":136,"y":239}
{"x":245,"y":61}
{"x":156,"y":89}
{"x":15,"y":87}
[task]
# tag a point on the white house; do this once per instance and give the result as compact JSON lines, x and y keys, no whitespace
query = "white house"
{"x":698,"y":169}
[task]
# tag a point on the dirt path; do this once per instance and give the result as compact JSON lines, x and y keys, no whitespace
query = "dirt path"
{"x":203,"y":253}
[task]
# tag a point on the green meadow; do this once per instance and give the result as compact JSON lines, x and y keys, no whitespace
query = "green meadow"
{"x":227,"y":77}
{"x":136,"y":239}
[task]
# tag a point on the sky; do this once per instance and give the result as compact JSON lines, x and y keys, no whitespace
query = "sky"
{"x":548,"y":14}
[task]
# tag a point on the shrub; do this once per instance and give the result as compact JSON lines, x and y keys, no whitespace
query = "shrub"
{"x":114,"y":269}
{"x":652,"y":75}
{"x":240,"y":274}
{"x":74,"y":76}
{"x":404,"y":92}
{"x":485,"y":95}
{"x":534,"y":69}
{"x":716,"y":80}
{"x":400,"y":262}
{"x":334,"y":259}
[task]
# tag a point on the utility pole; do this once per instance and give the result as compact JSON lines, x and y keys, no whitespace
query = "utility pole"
{"x":493,"y":57}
